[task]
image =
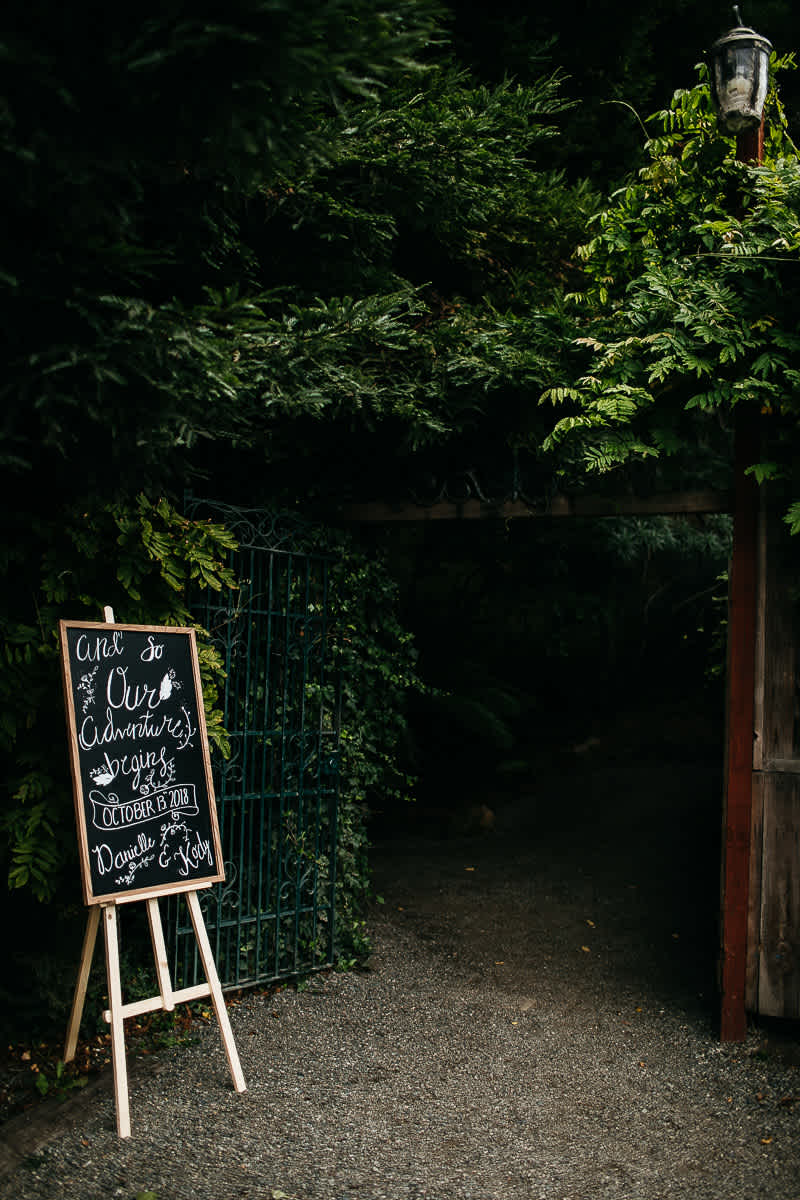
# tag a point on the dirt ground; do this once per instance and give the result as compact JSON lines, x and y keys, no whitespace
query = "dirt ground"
{"x":617,"y":862}
{"x":537,"y":1020}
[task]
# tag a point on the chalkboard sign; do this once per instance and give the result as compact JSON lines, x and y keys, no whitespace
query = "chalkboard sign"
{"x":144,"y":799}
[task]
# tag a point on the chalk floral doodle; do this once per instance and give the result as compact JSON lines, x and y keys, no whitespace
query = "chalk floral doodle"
{"x":103,"y":775}
{"x":166,"y":776}
{"x":128,"y":879}
{"x":86,"y":685}
{"x":169,"y":684}
{"x":172,"y":832}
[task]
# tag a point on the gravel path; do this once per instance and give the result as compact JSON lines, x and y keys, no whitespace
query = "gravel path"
{"x":537,"y":1020}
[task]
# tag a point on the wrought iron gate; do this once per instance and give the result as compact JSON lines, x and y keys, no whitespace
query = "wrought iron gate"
{"x":277,"y":793}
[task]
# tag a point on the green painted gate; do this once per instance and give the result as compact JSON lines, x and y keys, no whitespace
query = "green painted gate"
{"x":277,"y":793}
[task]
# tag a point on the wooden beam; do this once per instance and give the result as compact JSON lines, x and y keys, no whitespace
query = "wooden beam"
{"x":665,"y":503}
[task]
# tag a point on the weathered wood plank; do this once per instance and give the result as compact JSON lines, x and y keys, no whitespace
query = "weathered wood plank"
{"x":786,"y":766}
{"x":667,"y":503}
{"x":777,"y":669}
{"x":752,"y":962}
{"x":759,"y":686}
{"x":773,"y":958}
{"x":779,"y":941}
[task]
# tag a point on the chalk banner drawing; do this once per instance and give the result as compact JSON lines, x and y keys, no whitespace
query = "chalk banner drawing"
{"x":144,"y":799}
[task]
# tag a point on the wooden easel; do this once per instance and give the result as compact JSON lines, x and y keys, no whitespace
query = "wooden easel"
{"x":165,"y":1000}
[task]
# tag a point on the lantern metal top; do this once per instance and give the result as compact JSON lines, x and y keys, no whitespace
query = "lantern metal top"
{"x":741,"y":34}
{"x":739,"y":76}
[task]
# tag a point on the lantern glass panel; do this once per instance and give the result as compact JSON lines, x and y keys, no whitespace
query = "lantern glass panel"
{"x":740,"y":74}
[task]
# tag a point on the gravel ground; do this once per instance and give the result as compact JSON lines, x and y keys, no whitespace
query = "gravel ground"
{"x":537,"y":1020}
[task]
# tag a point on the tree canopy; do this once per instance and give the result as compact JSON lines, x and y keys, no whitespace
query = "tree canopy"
{"x":311,"y":252}
{"x":311,"y":236}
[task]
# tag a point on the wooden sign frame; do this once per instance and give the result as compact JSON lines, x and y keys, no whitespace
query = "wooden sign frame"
{"x":161,"y":809}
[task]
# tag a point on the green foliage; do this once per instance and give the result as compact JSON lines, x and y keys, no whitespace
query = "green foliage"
{"x":60,"y":1084}
{"x":266,"y":246}
{"x":140,"y":560}
{"x":690,"y":303}
{"x":441,"y":181}
{"x":672,"y":603}
{"x":378,"y":667}
{"x":343,"y":252}
{"x":405,"y":273}
{"x":285,"y":251}
{"x":620,"y":64}
{"x":680,"y":542}
{"x":129,"y":139}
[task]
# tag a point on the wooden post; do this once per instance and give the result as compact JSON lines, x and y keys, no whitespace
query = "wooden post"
{"x":773,"y":964}
{"x":739,"y":755}
{"x":741,"y":702}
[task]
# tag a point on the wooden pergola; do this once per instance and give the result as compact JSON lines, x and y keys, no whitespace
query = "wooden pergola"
{"x":760,"y":891}
{"x":759,"y":968}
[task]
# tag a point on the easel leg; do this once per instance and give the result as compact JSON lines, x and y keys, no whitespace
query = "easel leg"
{"x":87,"y":954}
{"x":217,"y":998}
{"x":117,"y":1024}
{"x":160,"y":955}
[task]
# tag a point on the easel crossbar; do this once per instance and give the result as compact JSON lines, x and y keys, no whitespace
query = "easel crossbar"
{"x":137,"y":1008}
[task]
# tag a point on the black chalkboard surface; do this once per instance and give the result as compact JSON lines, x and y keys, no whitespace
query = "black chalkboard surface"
{"x":144,"y":799}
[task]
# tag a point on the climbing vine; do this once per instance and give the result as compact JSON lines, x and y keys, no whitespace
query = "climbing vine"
{"x":690,"y":303}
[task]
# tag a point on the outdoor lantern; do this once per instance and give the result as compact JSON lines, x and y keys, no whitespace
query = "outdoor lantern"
{"x":739,"y":75}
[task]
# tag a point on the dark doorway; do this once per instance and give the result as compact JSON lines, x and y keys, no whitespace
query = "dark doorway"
{"x":575,"y":717}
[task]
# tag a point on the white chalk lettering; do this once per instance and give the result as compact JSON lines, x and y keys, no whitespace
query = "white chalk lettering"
{"x":128,"y":878}
{"x":121,"y":694}
{"x":180,"y":729}
{"x":133,"y":766}
{"x":152,"y":650}
{"x":109,"y":812}
{"x":191,"y":855}
{"x":118,"y":816}
{"x":104,"y":858}
{"x":107,"y":860}
{"x":93,"y":649}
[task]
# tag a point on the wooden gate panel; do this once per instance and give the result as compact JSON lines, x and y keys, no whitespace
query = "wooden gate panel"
{"x":753,"y":957}
{"x":773,"y":953}
{"x":777,"y":796}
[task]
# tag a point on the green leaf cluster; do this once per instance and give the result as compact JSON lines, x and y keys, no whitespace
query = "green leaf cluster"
{"x":140,"y":560}
{"x":691,"y":303}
